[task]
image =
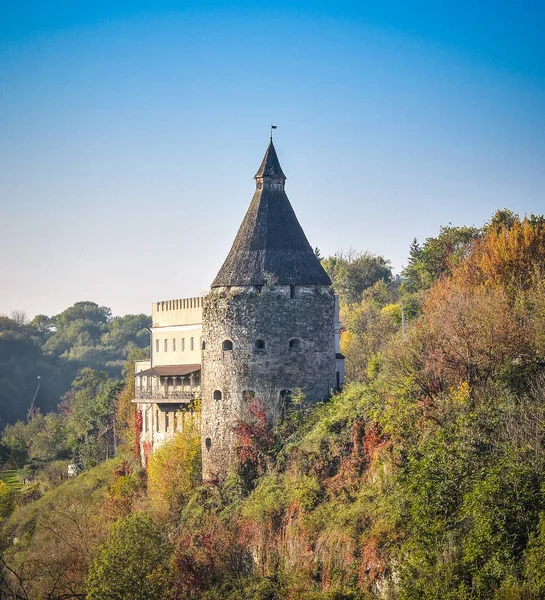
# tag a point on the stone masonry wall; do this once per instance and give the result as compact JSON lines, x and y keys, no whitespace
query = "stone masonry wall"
{"x":274,"y":315}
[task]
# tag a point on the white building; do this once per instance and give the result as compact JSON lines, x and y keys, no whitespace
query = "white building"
{"x":168,"y":383}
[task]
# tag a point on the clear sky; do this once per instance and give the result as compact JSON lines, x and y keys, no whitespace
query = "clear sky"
{"x":130,"y":132}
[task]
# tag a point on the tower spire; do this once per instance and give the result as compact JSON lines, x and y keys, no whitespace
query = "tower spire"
{"x":270,"y":168}
{"x":270,"y":241}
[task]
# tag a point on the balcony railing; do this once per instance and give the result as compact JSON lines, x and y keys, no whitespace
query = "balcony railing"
{"x":166,"y":396}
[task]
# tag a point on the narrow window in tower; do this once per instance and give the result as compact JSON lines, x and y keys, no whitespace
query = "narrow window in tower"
{"x":292,"y":291}
{"x":227,"y":345}
{"x":294,"y":344}
{"x":203,"y":345}
{"x":260,"y":345}
{"x":166,"y":421}
{"x":217,"y":395}
{"x":192,"y":343}
{"x":166,"y":345}
{"x":156,"y":345}
{"x":208,"y":443}
{"x":183,"y":344}
{"x":258,"y":289}
{"x":173,"y":344}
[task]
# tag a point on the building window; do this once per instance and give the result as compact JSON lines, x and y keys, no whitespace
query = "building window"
{"x":227,"y":345}
{"x":203,"y":345}
{"x":192,"y":343}
{"x":166,"y":421}
{"x":183,"y":344}
{"x":294,"y":344}
{"x":208,"y":443}
{"x":166,"y":345}
{"x":156,"y":345}
{"x":292,"y":291}
{"x":173,"y":344}
{"x":157,"y":420}
{"x":217,"y":395}
{"x":260,"y":345}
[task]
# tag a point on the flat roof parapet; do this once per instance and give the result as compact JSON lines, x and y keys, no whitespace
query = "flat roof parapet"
{"x":181,"y":311}
{"x":179,"y":304}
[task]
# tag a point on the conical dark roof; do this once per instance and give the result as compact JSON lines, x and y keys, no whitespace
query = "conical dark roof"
{"x":270,"y":165}
{"x":270,"y":246}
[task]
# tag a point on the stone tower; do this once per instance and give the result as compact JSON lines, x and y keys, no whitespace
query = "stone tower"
{"x":268,"y":322}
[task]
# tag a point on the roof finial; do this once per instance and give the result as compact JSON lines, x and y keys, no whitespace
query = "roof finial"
{"x":272,"y":127}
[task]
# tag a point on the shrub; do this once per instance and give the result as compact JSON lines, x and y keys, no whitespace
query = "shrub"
{"x":6,"y":500}
{"x":132,"y":564}
{"x":175,"y":468}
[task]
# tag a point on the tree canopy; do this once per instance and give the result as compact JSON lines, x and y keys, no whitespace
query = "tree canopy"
{"x":353,"y":272}
{"x":50,"y":351}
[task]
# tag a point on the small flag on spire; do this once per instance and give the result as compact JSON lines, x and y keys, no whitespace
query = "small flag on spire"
{"x":272,"y":127}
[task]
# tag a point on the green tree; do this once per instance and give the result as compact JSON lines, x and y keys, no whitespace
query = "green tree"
{"x":132,"y":564}
{"x":80,"y":325}
{"x":437,"y":256}
{"x":90,"y":410}
{"x":353,"y":272}
{"x":128,"y":331}
{"x":43,"y":326}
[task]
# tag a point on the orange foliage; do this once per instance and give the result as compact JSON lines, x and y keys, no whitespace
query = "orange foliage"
{"x":372,"y":563}
{"x":507,"y":258}
{"x":484,"y":321}
{"x":467,"y":335}
{"x":255,"y":439}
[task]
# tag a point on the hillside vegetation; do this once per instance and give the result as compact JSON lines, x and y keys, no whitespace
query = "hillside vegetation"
{"x":50,"y":351}
{"x":423,"y":479}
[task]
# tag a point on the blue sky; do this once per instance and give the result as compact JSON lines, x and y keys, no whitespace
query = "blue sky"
{"x":130,"y":133}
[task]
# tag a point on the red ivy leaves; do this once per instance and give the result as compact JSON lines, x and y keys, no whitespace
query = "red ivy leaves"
{"x":137,"y":431}
{"x":146,"y":447}
{"x":254,"y":436}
